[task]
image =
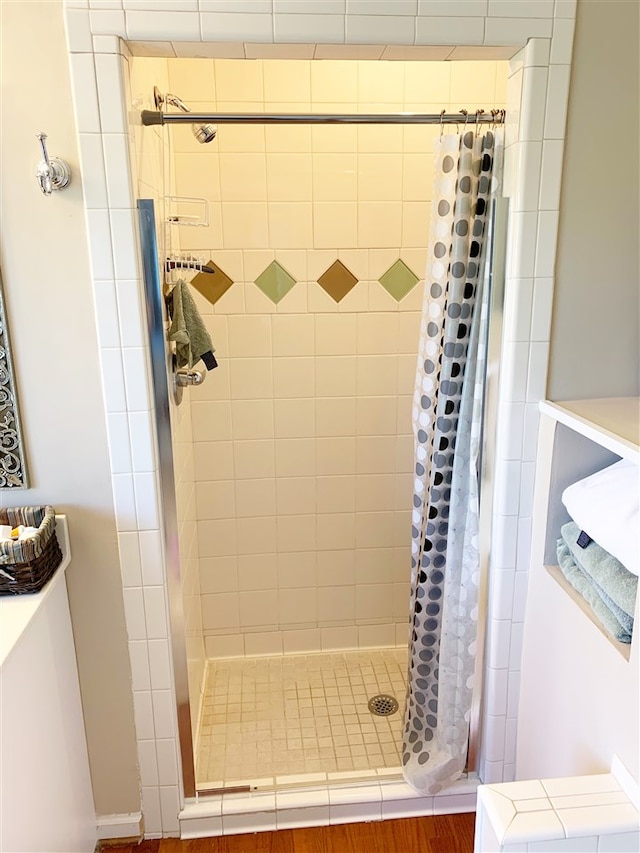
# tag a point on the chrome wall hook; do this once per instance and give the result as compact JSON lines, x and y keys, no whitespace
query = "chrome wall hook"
{"x":52,"y":172}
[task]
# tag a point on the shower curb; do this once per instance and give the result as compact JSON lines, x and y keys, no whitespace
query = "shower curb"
{"x":385,"y":799}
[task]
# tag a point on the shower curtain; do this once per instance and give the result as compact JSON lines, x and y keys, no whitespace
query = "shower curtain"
{"x":447,"y":417}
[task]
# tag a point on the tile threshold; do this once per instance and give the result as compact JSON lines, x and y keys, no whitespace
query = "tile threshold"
{"x":341,"y":801}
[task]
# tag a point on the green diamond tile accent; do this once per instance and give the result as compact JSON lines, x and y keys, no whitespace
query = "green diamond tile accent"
{"x":275,"y":282}
{"x":337,"y":281}
{"x":398,"y":280}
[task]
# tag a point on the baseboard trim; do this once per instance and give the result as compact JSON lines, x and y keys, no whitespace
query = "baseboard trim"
{"x":119,"y":826}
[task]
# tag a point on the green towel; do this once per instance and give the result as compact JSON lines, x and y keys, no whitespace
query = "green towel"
{"x":580,"y":582}
{"x":607,"y":572}
{"x":187,"y":330}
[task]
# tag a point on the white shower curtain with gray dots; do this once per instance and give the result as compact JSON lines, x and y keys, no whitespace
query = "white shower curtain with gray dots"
{"x":447,"y":416}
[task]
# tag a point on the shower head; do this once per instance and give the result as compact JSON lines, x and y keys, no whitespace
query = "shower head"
{"x":203,"y":132}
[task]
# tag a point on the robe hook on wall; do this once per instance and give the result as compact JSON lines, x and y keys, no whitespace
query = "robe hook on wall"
{"x":52,"y":172}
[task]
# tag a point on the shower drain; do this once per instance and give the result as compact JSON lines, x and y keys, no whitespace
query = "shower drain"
{"x":383,"y":705}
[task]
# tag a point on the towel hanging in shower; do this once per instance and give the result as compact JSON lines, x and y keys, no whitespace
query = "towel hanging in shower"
{"x":187,"y":330}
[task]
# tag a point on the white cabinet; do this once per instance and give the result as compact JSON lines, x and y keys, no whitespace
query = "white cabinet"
{"x":45,"y":787}
{"x":579,"y":688}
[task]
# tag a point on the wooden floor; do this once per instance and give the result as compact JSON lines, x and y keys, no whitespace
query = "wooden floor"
{"x":441,"y":834}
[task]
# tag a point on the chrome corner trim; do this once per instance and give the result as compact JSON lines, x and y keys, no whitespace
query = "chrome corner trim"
{"x":168,"y":515}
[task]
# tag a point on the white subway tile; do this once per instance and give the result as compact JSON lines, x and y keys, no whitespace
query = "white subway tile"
{"x":515,"y":646}
{"x":119,"y":443}
{"x":530,"y":156}
{"x":164,"y":26}
{"x":520,"y":588}
{"x":507,"y":487}
{"x":136,"y":379}
{"x":354,"y":812}
{"x":517,"y":309}
{"x":461,"y":8}
{"x":521,"y":8}
{"x":163,"y":713}
{"x":513,"y":695}
{"x":106,"y":313}
{"x":524,"y":544}
{"x":134,"y":615}
{"x":491,"y":772}
{"x":562,"y":41}
{"x":299,"y":817}
{"x":161,"y":5}
{"x":160,"y":669}
{"x":599,"y":820}
{"x":511,"y":424}
{"x":155,"y":613}
{"x":379,"y":29}
{"x":435,"y":30}
{"x":557,"y":98}
{"x":248,"y":7}
{"x":497,"y":681}
{"x":534,"y":826}
{"x":505,"y":540}
{"x":326,"y":29}
{"x":108,"y":22}
{"x":133,"y":329}
{"x":151,"y":810}
{"x":146,"y":498}
{"x":516,"y":31}
{"x":113,"y":380}
{"x":169,"y":808}
{"x":236,"y":824}
{"x":125,"y":254}
{"x":116,"y":153}
{"x":551,"y":174}
{"x":566,"y":8}
{"x":108,"y":44}
{"x":537,"y":376}
{"x":454,"y":803}
{"x":530,"y":434}
{"x":78,"y":31}
{"x":94,"y":182}
{"x":129,"y":559}
{"x":521,"y":256}
{"x":151,"y":557}
{"x":110,"y":88}
{"x":230,"y":26}
{"x":513,"y":380}
{"x":124,"y":502}
{"x":100,"y":244}
{"x":140,"y":675}
{"x":536,"y":52}
{"x":148,"y":763}
{"x":142,"y":441}
{"x":499,"y":634}
{"x":167,"y":762}
{"x":546,"y":242}
{"x":502,"y":582}
{"x":527,"y":474}
{"x":534,"y":100}
{"x":542,"y":307}
{"x":143,"y":715}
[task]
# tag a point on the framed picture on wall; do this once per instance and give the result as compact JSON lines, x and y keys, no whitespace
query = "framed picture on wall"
{"x":13,"y":471}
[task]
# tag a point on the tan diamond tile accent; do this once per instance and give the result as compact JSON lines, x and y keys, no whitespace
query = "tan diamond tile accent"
{"x":212,"y":287}
{"x":337,"y":281}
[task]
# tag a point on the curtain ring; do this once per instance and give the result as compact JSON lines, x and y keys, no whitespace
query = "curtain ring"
{"x":442,"y":114}
{"x":479,"y":113}
{"x":465,"y":113}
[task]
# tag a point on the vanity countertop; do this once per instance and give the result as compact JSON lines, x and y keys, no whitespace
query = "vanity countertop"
{"x":17,"y":611}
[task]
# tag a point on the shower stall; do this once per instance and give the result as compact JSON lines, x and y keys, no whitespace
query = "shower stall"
{"x":287,"y":475}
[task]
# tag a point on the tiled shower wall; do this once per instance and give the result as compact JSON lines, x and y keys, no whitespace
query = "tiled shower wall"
{"x":155,"y":176}
{"x":302,"y":436}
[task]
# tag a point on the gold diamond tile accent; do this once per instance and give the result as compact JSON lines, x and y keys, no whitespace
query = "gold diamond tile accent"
{"x":212,"y":287}
{"x":275,"y":282}
{"x":337,"y":281}
{"x":398,"y":280}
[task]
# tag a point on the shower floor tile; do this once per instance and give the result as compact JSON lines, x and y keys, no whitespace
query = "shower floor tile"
{"x":270,"y":717}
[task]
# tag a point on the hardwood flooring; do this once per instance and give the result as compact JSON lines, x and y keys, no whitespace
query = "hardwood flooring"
{"x":440,"y":834}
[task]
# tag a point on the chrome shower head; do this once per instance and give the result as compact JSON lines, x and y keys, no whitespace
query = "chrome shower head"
{"x":203,"y":132}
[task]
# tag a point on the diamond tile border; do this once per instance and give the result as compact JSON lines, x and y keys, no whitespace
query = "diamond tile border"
{"x":398,"y":280}
{"x":337,"y":280}
{"x":275,"y":282}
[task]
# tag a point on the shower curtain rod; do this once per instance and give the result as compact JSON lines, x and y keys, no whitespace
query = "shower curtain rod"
{"x":151,"y":117}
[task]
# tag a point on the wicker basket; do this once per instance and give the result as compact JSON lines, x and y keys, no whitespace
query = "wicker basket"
{"x":26,"y":566}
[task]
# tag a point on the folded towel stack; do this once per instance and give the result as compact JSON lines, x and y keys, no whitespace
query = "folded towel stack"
{"x":601,"y":580}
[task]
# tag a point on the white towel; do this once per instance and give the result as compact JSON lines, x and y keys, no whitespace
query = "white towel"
{"x":606,"y":506}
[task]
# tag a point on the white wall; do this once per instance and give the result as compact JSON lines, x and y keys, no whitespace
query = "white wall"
{"x":595,"y":344}
{"x":47,"y":280}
